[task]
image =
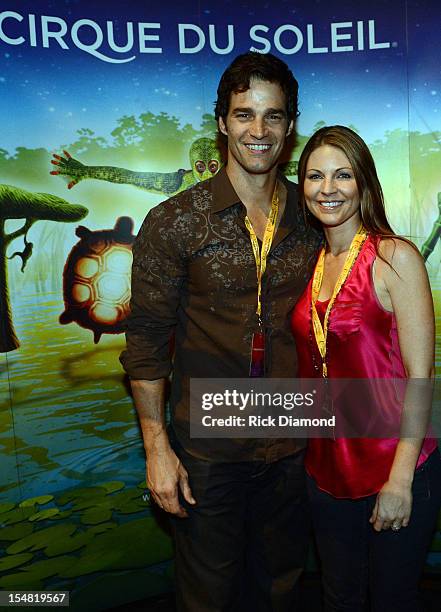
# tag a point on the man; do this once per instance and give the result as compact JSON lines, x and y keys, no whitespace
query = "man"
{"x":238,"y":506}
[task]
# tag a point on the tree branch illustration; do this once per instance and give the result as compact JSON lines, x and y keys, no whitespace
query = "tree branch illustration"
{"x":16,"y":203}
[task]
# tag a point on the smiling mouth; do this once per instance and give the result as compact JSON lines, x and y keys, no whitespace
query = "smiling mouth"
{"x":258,"y":148}
{"x":331,"y":205}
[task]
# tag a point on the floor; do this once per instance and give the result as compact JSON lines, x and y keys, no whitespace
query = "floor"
{"x":311,"y":598}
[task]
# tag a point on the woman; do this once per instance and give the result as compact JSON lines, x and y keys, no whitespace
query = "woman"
{"x":367,"y":313}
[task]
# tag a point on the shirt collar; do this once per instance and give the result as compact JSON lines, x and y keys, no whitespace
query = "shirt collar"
{"x":225,"y":196}
{"x":223,"y":191}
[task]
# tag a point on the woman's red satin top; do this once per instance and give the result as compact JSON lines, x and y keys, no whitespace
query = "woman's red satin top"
{"x":362,"y":342}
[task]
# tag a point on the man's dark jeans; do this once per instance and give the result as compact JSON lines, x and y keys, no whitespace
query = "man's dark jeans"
{"x":357,"y":560}
{"x":244,"y":544}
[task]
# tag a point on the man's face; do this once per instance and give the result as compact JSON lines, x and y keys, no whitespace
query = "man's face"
{"x":256,"y":127}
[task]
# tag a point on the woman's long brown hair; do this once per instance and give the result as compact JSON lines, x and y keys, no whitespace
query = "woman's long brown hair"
{"x":372,"y":210}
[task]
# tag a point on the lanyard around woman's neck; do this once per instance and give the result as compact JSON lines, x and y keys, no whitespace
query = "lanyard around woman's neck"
{"x":321,"y":331}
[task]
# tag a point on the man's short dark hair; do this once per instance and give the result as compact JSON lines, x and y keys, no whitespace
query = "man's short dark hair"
{"x":260,"y":66}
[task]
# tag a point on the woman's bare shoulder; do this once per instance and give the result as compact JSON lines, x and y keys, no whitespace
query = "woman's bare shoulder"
{"x":400,"y":255}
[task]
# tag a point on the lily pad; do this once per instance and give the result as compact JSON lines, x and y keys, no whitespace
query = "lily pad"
{"x":44,"y":514}
{"x":20,"y":581}
{"x":61,"y":515}
{"x":91,"y":502}
{"x":133,"y":507}
{"x":128,"y":502}
{"x":91,"y":563}
{"x":68,"y":545}
{"x":16,"y":516}
{"x":148,"y":545}
{"x":15,"y":532}
{"x":62,"y":546}
{"x":41,"y":500}
{"x":40,"y":539}
{"x":48,"y":567}
{"x":94,"y":516}
{"x":6,"y":507}
{"x":9,"y":562}
{"x":112,"y":486}
{"x":78,"y":494}
{"x":126,"y":496}
{"x":103,"y":527}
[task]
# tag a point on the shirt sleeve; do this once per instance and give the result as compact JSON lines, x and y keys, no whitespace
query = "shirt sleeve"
{"x":158,"y":273}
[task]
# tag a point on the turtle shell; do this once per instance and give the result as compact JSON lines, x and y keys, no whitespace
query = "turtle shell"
{"x":96,"y":279}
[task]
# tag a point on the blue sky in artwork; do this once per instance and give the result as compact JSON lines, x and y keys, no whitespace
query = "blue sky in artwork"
{"x":47,"y":93}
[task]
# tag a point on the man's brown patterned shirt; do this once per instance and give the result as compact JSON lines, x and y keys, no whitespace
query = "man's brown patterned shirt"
{"x":194,"y":274}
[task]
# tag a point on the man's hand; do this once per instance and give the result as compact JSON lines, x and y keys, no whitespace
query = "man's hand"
{"x":165,"y":477}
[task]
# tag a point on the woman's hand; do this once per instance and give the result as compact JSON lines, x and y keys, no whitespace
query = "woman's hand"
{"x":401,"y":279}
{"x":393,"y":506}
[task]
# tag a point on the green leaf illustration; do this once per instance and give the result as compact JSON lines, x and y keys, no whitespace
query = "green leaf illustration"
{"x":61,"y":515}
{"x":16,"y":532}
{"x":41,"y":500}
{"x":7,"y":563}
{"x":6,"y":507}
{"x":91,"y":502}
{"x":94,"y":516}
{"x":129,"y":501}
{"x":112,"y":486}
{"x":39,"y":570}
{"x":78,"y":494}
{"x":40,"y":539}
{"x":72,"y":543}
{"x":21,"y":581}
{"x":44,"y":514}
{"x":147,"y":543}
{"x":17,"y":515}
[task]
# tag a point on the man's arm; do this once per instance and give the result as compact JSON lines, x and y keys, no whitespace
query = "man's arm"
{"x":165,"y":473}
{"x":158,"y":273}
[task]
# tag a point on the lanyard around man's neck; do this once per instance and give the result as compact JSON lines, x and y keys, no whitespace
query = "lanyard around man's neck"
{"x":260,"y":256}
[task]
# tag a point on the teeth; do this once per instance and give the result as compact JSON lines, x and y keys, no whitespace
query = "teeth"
{"x":330,"y":204}
{"x":258,"y":147}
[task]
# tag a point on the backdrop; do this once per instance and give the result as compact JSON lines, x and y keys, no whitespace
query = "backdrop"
{"x":120,"y":99}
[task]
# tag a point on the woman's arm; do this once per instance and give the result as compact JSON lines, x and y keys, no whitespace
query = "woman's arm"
{"x":403,"y":286}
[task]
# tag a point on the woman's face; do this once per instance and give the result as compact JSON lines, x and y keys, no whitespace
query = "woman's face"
{"x":330,"y":189}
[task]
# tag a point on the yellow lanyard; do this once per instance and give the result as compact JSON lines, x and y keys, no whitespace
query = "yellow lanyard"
{"x":321,"y":332}
{"x":260,"y":256}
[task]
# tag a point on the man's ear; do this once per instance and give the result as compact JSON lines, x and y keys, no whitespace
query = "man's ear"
{"x":290,"y":127}
{"x":222,"y":126}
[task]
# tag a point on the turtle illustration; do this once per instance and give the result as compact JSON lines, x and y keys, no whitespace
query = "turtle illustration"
{"x":96,"y":279}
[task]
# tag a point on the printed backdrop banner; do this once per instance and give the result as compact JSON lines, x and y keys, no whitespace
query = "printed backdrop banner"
{"x":120,"y":100}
